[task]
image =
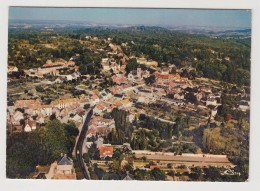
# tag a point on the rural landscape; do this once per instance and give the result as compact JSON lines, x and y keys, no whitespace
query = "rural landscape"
{"x":101,"y":101}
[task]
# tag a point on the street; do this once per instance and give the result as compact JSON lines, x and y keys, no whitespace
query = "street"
{"x":80,"y":144}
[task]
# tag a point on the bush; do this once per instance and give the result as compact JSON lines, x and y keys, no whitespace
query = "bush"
{"x":39,"y":89}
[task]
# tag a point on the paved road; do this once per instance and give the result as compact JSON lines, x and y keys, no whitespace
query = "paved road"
{"x":80,"y":144}
{"x":74,"y":153}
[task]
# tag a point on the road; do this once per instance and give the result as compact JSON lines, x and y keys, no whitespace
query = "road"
{"x":80,"y":144}
{"x":165,"y":120}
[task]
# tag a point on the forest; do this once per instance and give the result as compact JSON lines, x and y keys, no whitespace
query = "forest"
{"x":41,"y":147}
{"x":217,"y":58}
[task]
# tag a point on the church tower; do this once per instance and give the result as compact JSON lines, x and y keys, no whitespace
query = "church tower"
{"x":139,"y":73}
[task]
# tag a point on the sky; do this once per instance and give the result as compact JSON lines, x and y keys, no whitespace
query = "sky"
{"x":170,"y":17}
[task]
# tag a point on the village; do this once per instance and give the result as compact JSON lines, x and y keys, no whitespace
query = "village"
{"x":148,"y":89}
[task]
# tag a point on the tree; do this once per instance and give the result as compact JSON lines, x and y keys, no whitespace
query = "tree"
{"x":55,"y":139}
{"x":150,"y":80}
{"x":196,"y":174}
{"x":190,"y":97}
{"x":117,"y":154}
{"x":129,"y":168}
{"x":157,"y":174}
{"x":71,"y":129}
{"x":169,"y":165}
{"x":86,"y":106}
{"x":40,"y":147}
{"x":212,"y":174}
{"x":93,"y":152}
{"x":53,"y":116}
{"x":140,"y":174}
{"x":144,"y":158}
{"x":123,"y":127}
{"x":132,"y":65}
{"x":115,"y":165}
{"x":22,"y":154}
{"x":86,"y":158}
{"x":83,"y":69}
{"x":39,"y":89}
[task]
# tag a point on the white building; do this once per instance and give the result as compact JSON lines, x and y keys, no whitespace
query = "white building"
{"x":244,"y":105}
{"x":29,"y":125}
{"x":62,"y":169}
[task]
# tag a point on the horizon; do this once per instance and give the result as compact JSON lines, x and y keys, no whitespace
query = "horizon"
{"x":218,"y":18}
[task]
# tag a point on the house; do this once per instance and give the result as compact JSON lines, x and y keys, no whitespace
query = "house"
{"x":106,"y":66}
{"x":124,"y":61}
{"x":74,"y":57}
{"x":76,"y":68}
{"x":145,"y":74}
{"x":68,"y":77}
{"x":115,"y":89}
{"x":12,"y":69}
{"x":64,"y":165}
{"x":94,"y":99}
{"x":205,"y":90}
{"x":179,"y":96}
{"x":88,"y":144}
{"x":99,"y":142}
{"x":64,"y":102}
{"x":131,"y":118}
{"x":106,"y":150}
{"x":165,"y":70}
{"x":58,"y":80}
{"x":106,"y":96}
{"x":81,"y":112}
{"x":96,"y":92}
{"x":105,"y":60}
{"x":113,"y":47}
{"x":152,"y":63}
{"x":62,"y":169}
{"x":124,"y":162}
{"x":139,"y":73}
{"x":244,"y":105}
{"x":119,"y":79}
{"x":40,"y":120}
{"x":199,"y":96}
{"x":142,"y":99}
{"x":26,"y":103}
{"x":128,"y":176}
{"x":141,"y":60}
{"x":70,"y":63}
{"x":99,"y":108}
{"x":154,"y":166}
{"x":17,"y":116}
{"x":77,"y":118}
{"x":57,"y":64}
{"x":29,"y":125}
{"x":115,"y":67}
{"x":126,"y":103}
{"x":117,"y":104}
{"x":213,"y":113}
{"x":211,"y":101}
{"x":91,"y":131}
{"x":131,"y":77}
{"x":127,"y":147}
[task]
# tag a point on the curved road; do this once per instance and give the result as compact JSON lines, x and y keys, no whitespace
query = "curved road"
{"x":80,"y":144}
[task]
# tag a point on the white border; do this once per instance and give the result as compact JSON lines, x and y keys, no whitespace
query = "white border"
{"x":32,"y":185}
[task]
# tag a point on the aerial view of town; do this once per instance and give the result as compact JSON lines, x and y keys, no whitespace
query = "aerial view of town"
{"x":128,"y":94}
